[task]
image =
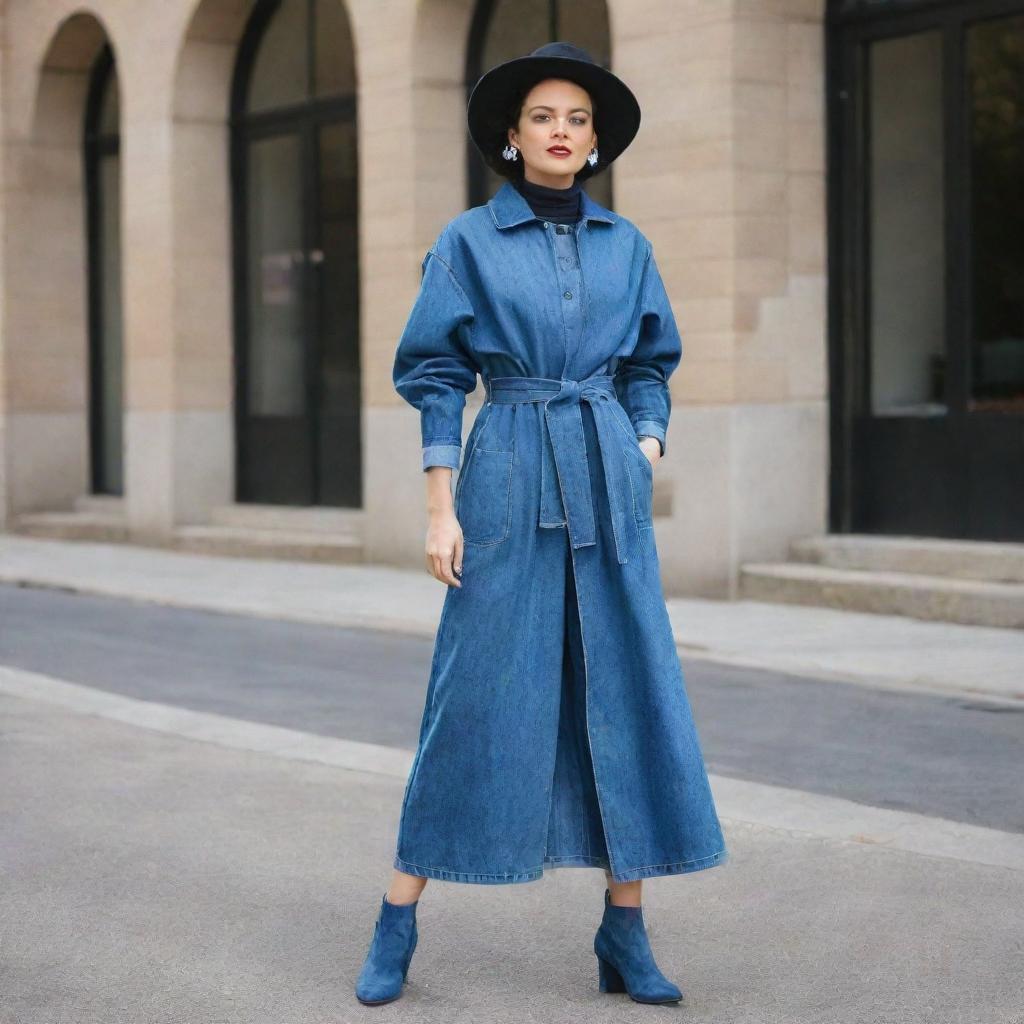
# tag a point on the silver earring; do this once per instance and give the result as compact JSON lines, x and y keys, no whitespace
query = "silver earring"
{"x":509,"y":152}
{"x":592,"y":157}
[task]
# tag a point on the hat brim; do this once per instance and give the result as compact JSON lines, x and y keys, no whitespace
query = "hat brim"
{"x":617,"y":113}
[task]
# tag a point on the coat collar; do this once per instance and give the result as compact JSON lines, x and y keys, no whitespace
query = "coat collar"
{"x":508,"y":207}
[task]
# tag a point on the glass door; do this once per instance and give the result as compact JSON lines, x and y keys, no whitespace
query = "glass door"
{"x":294,"y":185}
{"x":337,"y":297}
{"x":927,"y":279}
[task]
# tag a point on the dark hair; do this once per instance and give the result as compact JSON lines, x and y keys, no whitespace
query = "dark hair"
{"x":513,"y":169}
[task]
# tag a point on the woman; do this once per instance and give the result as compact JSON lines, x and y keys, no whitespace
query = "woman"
{"x":556,"y":730}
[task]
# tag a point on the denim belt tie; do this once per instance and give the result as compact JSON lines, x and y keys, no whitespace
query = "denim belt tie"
{"x":565,"y":470}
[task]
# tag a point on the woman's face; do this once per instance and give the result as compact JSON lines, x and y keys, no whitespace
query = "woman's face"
{"x":556,"y":114}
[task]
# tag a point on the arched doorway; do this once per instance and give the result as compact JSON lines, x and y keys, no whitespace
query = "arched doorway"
{"x":504,"y":29}
{"x":295,"y":205}
{"x":103,"y":228}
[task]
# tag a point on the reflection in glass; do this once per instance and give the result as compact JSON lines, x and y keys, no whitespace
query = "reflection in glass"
{"x":905,"y":226}
{"x":276,"y":353}
{"x":995,"y":60}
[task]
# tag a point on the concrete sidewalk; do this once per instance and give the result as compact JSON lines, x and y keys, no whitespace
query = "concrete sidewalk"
{"x":822,"y":643}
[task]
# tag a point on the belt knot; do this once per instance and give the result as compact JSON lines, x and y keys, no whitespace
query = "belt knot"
{"x":570,"y":390}
{"x":565,"y":469}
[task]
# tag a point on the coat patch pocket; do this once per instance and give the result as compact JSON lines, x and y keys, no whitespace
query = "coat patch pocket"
{"x":641,"y":482}
{"x":484,"y":505}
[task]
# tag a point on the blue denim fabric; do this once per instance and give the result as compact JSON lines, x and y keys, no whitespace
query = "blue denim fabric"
{"x":556,"y":729}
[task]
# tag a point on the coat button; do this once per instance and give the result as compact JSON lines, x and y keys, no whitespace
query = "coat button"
{"x":568,"y":295}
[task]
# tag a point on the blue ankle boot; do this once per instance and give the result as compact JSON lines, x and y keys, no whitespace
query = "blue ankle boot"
{"x":625,"y":962}
{"x":391,"y":949}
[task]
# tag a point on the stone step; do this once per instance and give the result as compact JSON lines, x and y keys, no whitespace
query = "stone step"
{"x":250,"y":542}
{"x":108,"y":504}
{"x":98,"y":526}
{"x":994,"y":561}
{"x":311,"y":519}
{"x":920,"y":596}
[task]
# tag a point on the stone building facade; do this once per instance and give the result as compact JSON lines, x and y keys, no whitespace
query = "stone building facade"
{"x":214,"y":211}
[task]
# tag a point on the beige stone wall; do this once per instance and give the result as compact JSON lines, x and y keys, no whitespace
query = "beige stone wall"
{"x":4,"y":440}
{"x":43,"y":355}
{"x":731,"y":145}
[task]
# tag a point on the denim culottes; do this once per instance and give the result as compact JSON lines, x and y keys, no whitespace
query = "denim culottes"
{"x":556,"y":728}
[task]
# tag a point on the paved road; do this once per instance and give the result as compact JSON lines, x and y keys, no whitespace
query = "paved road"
{"x":150,"y":879}
{"x":947,"y":757}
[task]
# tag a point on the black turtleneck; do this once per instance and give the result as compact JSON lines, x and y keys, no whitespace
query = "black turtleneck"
{"x":557,"y":205}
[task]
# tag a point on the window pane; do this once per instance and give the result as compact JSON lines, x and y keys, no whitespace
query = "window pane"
{"x":276,"y":359}
{"x":335,"y":71}
{"x":340,"y":271}
{"x":996,"y":83}
{"x":108,"y":123}
{"x":280,"y":73}
{"x":585,"y":22}
{"x":905,"y":226}
{"x":110,"y":342}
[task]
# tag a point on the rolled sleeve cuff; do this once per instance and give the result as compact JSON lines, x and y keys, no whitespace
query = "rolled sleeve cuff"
{"x":651,"y":428}
{"x":442,"y":455}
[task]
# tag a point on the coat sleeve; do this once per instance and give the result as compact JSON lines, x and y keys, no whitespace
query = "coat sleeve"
{"x":433,"y":369}
{"x":641,"y":379}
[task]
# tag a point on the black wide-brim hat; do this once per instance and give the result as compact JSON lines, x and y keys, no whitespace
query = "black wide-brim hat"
{"x":616,"y":110}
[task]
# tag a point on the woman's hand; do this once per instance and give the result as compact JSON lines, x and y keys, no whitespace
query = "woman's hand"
{"x":651,"y":448}
{"x":444,"y":535}
{"x":444,"y":547}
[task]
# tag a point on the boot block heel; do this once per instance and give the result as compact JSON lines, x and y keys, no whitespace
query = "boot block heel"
{"x":622,"y":936}
{"x":608,"y":978}
{"x":412,"y":949}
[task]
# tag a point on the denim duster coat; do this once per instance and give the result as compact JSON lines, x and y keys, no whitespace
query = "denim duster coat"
{"x":556,"y":729}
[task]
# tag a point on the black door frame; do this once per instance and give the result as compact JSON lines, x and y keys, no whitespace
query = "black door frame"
{"x":850,"y":24}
